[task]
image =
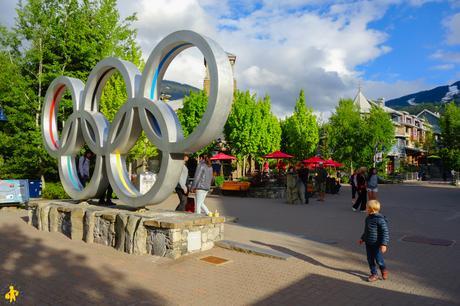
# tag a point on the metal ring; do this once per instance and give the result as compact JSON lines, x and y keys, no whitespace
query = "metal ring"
{"x":142,"y":112}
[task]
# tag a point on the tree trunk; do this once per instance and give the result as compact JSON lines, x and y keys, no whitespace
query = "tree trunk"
{"x":39,"y":77}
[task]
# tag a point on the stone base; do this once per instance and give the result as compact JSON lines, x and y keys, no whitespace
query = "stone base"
{"x":161,"y":233}
{"x":270,"y":192}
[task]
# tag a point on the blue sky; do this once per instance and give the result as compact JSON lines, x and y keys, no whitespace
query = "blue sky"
{"x":414,"y":35}
{"x":328,"y":48}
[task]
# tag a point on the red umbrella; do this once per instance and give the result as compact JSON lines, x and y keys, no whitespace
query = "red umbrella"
{"x":314,"y":160}
{"x":278,"y":155}
{"x":332,"y":163}
{"x":222,"y":156}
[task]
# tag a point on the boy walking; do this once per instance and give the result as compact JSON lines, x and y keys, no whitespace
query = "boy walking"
{"x":376,"y":236}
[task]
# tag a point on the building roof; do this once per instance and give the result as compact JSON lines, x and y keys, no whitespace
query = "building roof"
{"x":362,"y":103}
{"x":427,"y":111}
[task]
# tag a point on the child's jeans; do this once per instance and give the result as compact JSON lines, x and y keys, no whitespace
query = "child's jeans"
{"x":374,"y":258}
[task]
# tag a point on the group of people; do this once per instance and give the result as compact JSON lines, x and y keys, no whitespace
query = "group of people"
{"x":299,"y":180}
{"x":365,"y":185}
{"x":200,"y":186}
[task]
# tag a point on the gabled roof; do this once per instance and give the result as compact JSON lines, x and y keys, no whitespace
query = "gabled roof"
{"x":428,"y":112}
{"x":362,"y":102}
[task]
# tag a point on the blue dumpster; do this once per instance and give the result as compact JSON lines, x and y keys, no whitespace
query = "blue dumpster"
{"x":35,"y":188}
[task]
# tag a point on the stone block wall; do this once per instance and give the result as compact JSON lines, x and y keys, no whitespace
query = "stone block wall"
{"x":269,"y":192}
{"x":161,"y":233}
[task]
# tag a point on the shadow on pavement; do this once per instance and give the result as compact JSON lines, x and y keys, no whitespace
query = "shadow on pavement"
{"x":45,"y":276}
{"x":322,"y":290}
{"x":311,"y":260}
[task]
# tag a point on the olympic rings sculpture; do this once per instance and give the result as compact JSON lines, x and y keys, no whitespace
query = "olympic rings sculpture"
{"x":143,"y":111}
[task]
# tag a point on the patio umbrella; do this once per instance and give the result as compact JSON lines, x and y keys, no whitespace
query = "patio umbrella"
{"x":222,"y":156}
{"x":332,"y":163}
{"x":313,"y":160}
{"x":278,"y":155}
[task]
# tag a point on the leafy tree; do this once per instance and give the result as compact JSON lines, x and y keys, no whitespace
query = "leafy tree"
{"x":61,"y":37}
{"x":355,"y":139}
{"x":191,"y":113}
{"x":450,"y":133}
{"x":239,"y":129}
{"x":300,"y":131}
{"x":378,"y":133}
{"x":345,"y":133}
{"x":269,"y":130}
{"x":20,"y":140}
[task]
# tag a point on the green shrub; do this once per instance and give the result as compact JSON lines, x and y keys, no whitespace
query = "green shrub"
{"x":219,"y":181}
{"x":54,"y":191}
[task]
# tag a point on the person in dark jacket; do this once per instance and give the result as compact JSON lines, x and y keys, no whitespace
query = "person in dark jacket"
{"x":361,"y":190}
{"x":202,"y":184}
{"x":303,"y":174}
{"x":376,"y":237}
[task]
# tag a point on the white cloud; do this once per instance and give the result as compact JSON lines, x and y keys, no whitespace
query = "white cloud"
{"x":281,"y":47}
{"x":376,"y":89}
{"x":447,"y":56}
{"x":452,"y":25}
{"x":443,"y":67}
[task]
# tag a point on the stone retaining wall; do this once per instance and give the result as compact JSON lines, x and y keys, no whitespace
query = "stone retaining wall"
{"x":157,"y":232}
{"x":267,"y":192}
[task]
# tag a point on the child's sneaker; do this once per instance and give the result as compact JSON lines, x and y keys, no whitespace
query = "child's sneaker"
{"x":373,"y":278}
{"x":384,"y":274}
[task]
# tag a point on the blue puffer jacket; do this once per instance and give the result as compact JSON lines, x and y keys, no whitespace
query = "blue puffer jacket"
{"x":376,"y":230}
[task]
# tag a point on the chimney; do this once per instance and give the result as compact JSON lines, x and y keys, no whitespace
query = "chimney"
{"x":381,"y":102}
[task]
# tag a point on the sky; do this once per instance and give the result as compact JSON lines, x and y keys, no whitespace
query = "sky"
{"x":329,"y":49}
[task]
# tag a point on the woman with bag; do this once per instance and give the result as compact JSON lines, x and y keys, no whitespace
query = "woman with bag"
{"x":202,"y":183}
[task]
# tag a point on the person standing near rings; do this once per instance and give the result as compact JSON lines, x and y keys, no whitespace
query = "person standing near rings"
{"x":181,"y":188}
{"x":83,"y":167}
{"x":202,"y":183}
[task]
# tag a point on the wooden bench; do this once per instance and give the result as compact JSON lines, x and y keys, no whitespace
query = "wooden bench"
{"x":237,"y":187}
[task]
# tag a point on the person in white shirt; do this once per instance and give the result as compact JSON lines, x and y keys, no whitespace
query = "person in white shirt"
{"x":181,"y":188}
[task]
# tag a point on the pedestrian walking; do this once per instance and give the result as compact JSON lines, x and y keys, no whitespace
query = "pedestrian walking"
{"x":202,"y":183}
{"x":354,"y":186}
{"x":361,"y":189}
{"x":321,"y":180}
{"x":372,"y":184}
{"x":376,"y":237}
{"x":303,"y":174}
{"x":181,"y":188}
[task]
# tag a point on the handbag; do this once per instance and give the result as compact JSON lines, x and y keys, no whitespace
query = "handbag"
{"x":190,"y":205}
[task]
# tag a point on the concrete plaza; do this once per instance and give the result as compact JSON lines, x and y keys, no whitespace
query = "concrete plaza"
{"x":326,"y":267}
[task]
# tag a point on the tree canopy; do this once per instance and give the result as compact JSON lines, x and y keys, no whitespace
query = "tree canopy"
{"x":55,"y":37}
{"x":450,"y":133}
{"x":300,"y":131}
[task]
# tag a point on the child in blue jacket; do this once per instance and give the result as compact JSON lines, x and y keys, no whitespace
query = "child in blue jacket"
{"x":376,"y":236}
